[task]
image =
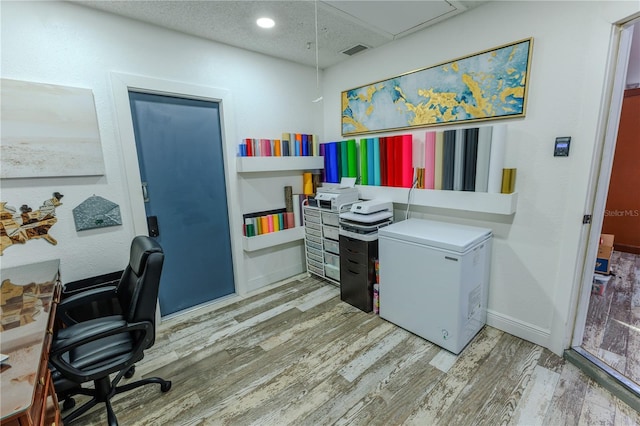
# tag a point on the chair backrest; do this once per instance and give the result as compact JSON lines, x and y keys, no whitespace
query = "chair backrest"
{"x":138,"y":288}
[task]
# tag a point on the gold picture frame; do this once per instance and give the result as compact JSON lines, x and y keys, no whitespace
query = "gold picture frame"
{"x":487,"y":85}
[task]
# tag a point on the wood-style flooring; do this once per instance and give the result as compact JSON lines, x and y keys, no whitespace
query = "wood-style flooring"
{"x":612,"y":329}
{"x":297,"y":355}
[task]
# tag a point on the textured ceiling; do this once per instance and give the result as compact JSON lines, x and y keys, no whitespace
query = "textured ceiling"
{"x":341,"y":24}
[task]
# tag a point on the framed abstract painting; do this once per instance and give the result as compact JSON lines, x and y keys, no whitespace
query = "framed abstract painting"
{"x":491,"y":84}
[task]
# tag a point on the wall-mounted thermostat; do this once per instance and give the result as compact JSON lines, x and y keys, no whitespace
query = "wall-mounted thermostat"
{"x":562,"y":147}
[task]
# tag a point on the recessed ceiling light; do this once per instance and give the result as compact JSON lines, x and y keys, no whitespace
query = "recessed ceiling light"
{"x":265,"y":22}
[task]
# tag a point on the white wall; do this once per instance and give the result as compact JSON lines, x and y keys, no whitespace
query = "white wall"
{"x":536,"y":251}
{"x":66,"y":44}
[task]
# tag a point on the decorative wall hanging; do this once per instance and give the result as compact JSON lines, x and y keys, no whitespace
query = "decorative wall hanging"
{"x":48,"y":130}
{"x":486,"y":85}
{"x":18,"y":228}
{"x":96,"y":212}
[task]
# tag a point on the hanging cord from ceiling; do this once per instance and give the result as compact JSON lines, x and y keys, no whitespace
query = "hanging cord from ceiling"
{"x":315,"y":4}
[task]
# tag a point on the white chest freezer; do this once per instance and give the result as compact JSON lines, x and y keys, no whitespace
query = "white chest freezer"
{"x":434,"y":279}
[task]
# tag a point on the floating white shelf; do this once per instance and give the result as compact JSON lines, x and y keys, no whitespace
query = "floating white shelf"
{"x":482,"y":202}
{"x":260,"y":242}
{"x":271,"y":164}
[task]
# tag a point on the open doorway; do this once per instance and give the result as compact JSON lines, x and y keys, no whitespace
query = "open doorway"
{"x":607,"y":329}
{"x":612,"y":328}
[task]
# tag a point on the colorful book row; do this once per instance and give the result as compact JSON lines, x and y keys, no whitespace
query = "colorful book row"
{"x":459,"y":160}
{"x":268,"y":223}
{"x":291,"y":145}
{"x":383,"y":161}
{"x":464,"y":159}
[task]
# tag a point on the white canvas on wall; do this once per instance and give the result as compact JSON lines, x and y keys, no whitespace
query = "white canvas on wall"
{"x":48,"y":130}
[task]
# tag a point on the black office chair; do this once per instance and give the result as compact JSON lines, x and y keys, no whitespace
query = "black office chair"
{"x":91,"y":350}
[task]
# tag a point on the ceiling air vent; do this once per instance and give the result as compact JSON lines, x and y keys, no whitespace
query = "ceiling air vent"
{"x":355,"y":49}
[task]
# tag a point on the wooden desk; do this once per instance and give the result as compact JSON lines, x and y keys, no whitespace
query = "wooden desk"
{"x":29,"y":295}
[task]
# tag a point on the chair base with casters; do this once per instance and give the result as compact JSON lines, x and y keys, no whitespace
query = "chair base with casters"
{"x":104,"y":389}
{"x":91,"y":350}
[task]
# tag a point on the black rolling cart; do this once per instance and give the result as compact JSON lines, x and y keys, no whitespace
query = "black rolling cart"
{"x":357,"y":271}
{"x":359,"y":250}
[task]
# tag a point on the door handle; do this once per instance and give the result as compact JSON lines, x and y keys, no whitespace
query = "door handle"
{"x":152,"y":225}
{"x":145,"y":194}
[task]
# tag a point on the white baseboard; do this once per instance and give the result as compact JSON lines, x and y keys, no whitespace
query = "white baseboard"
{"x":518,"y":328}
{"x":257,"y":283}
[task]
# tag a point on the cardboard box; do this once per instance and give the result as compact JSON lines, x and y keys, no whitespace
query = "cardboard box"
{"x":605,"y":248}
{"x":600,"y":283}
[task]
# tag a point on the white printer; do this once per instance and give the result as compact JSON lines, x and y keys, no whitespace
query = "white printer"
{"x":333,"y":195}
{"x":364,"y":219}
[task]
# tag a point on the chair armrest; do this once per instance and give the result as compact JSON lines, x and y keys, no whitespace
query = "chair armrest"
{"x":90,"y":295}
{"x":67,"y":305}
{"x":87,"y":332}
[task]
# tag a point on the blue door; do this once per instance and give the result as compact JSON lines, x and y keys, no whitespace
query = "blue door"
{"x":181,"y":163}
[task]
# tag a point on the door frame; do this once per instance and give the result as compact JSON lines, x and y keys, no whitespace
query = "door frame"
{"x":121,"y":84}
{"x":601,"y":166}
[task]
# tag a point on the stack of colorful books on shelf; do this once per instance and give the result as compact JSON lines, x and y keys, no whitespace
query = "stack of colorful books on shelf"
{"x":383,"y":161}
{"x":290,"y":216}
{"x":458,"y":160}
{"x":291,"y":145}
{"x":267,"y":222}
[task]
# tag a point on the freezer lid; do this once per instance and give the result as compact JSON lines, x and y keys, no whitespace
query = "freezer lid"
{"x":448,"y":236}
